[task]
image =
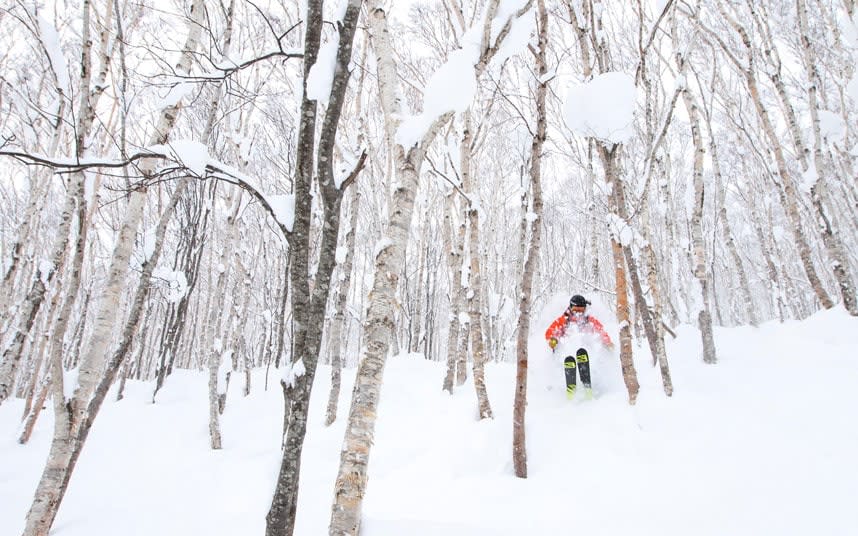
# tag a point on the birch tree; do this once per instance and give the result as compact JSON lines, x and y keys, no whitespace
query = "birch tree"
{"x":704,"y":318}
{"x":519,"y":450}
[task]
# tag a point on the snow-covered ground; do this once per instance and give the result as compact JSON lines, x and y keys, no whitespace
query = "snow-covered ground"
{"x":765,"y":442}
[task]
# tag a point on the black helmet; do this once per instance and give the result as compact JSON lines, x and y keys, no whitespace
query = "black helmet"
{"x":578,"y":301}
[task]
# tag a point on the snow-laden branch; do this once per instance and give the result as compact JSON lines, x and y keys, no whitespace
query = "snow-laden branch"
{"x":68,"y":164}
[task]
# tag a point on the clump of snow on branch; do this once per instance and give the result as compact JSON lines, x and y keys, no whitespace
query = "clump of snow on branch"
{"x":506,"y":9}
{"x":70,"y":383}
{"x":336,"y":9}
{"x":175,"y":94}
{"x":176,"y":283}
{"x":345,"y":168}
{"x":452,"y":86}
{"x":450,"y":89}
{"x":621,"y":230}
{"x":293,"y":371}
{"x":809,"y":178}
{"x":283,"y":207}
{"x":147,"y":247}
{"x":191,"y":154}
{"x":321,"y":77}
{"x":519,"y":33}
{"x":341,"y":255}
{"x":381,"y":245}
{"x":51,"y":40}
{"x":46,"y":268}
{"x":602,"y":108}
{"x":223,"y":371}
{"x":831,"y":125}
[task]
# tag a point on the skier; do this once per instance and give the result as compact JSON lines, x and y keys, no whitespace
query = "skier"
{"x":576,"y":318}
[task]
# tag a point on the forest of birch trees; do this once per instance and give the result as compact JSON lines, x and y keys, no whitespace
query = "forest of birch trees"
{"x":251,"y":185}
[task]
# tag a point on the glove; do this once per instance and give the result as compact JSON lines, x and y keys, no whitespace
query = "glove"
{"x":552,"y":342}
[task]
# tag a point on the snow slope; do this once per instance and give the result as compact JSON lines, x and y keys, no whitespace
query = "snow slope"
{"x":765,"y":442}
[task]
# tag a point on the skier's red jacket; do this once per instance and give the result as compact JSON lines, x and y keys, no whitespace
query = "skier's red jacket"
{"x":582,"y":322}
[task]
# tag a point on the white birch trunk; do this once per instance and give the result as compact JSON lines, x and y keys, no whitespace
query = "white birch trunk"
{"x":215,"y":336}
{"x":704,"y":318}
{"x":519,"y":445}
{"x":454,"y":277}
{"x":475,"y":282}
{"x":336,"y":343}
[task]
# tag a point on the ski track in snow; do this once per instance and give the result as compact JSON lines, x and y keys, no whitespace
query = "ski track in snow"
{"x":762,"y":443}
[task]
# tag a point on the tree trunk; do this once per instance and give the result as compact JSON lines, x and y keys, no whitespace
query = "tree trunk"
{"x":379,"y":330}
{"x":475,"y":305}
{"x":309,"y":309}
{"x":216,"y":335}
{"x":336,"y":343}
{"x":453,"y":247}
{"x":726,"y":228}
{"x":519,"y":446}
{"x":704,"y":318}
{"x":617,"y":200}
{"x":659,"y":353}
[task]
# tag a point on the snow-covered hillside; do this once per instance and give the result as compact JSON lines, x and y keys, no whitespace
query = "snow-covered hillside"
{"x":765,"y":442}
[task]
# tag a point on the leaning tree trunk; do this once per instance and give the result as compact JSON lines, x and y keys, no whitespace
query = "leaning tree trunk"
{"x":61,"y":322}
{"x":726,"y":228}
{"x":379,"y":330}
{"x":39,"y":188}
{"x":197,"y":210}
{"x":651,"y":262}
{"x":519,"y":448}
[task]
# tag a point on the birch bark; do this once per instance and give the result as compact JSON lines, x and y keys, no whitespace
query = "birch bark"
{"x":475,"y":283}
{"x":336,"y":343}
{"x":704,"y":316}
{"x":453,"y":247}
{"x":519,"y":446}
